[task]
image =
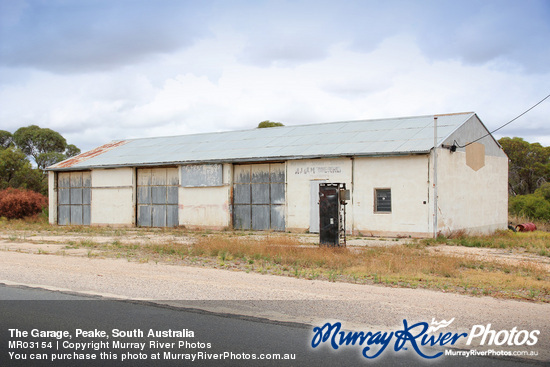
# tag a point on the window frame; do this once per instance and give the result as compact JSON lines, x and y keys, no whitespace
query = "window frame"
{"x":376,"y":205}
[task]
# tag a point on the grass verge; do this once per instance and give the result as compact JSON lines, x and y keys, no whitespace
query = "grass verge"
{"x":411,"y":265}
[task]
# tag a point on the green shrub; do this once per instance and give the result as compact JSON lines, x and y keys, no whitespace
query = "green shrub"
{"x":533,"y":206}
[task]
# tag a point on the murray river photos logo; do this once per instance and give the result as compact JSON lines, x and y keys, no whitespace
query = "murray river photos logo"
{"x":417,"y":336}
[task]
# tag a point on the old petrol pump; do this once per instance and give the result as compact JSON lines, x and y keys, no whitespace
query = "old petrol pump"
{"x":332,"y":214}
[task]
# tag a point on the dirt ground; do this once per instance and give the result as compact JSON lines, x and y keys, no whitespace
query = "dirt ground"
{"x":45,"y":261}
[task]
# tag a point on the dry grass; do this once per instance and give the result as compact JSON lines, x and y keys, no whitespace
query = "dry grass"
{"x":410,"y":265}
{"x":406,"y":266}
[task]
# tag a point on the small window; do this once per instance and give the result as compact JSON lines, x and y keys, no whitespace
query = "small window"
{"x":382,"y":200}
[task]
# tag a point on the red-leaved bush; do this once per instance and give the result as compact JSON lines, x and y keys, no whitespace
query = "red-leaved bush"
{"x":17,"y":203}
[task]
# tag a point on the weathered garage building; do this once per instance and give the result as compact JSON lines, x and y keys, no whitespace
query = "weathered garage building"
{"x":268,"y":179}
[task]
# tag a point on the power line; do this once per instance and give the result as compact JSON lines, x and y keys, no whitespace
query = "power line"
{"x":506,"y":124}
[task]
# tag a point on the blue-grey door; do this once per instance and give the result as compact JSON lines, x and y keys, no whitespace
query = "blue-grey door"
{"x":74,"y":197}
{"x":259,"y":196}
{"x":157,"y":197}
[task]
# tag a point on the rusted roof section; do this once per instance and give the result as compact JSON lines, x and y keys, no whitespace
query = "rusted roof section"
{"x":67,"y":163}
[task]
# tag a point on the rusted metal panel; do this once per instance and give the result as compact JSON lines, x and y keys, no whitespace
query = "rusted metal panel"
{"x":202,"y":175}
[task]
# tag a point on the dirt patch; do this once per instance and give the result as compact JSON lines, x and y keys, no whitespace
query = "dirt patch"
{"x":510,"y":257}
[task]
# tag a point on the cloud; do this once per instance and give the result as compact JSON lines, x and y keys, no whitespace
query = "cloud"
{"x":95,"y":73}
{"x":72,"y":37}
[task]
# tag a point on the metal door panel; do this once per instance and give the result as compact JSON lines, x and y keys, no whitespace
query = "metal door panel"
{"x":144,"y":195}
{"x":241,"y":217}
{"x":260,"y":193}
{"x":144,"y":177}
{"x":76,"y":196}
{"x":278,"y":173}
{"x":260,"y":217}
{"x":87,"y":196}
{"x":277,"y":217}
{"x":86,"y":215}
{"x":76,"y":214}
{"x":172,"y":195}
{"x":171,"y":215}
{"x":64,"y":196}
{"x":157,"y":197}
{"x":242,"y":173}
{"x":158,"y":194}
{"x":158,"y":176}
{"x":259,"y":196}
{"x":277,"y":193}
{"x":63,"y":179}
{"x":144,"y":216}
{"x":241,"y":194}
{"x":87,"y":179}
{"x":64,"y":215}
{"x":159,"y":215}
{"x":74,"y":191}
{"x":76,"y":179}
{"x":260,"y":173}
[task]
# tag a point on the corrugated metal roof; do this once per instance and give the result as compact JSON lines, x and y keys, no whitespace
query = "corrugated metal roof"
{"x":404,"y":135}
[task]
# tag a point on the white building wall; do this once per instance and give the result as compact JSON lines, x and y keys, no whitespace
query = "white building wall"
{"x":475,"y":201}
{"x":407,"y":177}
{"x":207,"y":207}
{"x":299,"y":175}
{"x":52,"y":197}
{"x":113,"y":197}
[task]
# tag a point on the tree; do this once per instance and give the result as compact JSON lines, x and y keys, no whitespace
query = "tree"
{"x":268,"y":123}
{"x":35,"y":141}
{"x":6,"y":139}
{"x":71,"y":151}
{"x":529,"y":165}
{"x":16,"y":171}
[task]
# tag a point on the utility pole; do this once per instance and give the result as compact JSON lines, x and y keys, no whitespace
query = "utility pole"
{"x":435,"y":177}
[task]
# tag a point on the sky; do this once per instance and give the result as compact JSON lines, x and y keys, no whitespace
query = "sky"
{"x":102,"y":70}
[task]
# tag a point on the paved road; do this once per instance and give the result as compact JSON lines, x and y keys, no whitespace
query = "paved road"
{"x":26,"y":309}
